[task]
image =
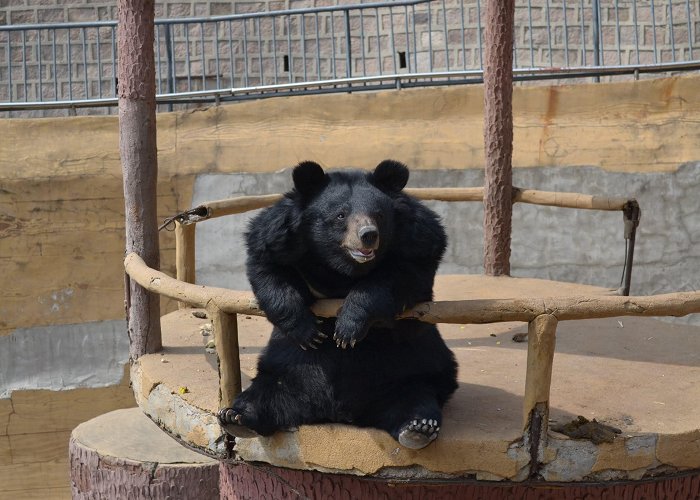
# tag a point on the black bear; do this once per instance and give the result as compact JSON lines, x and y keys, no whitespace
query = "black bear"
{"x":353,"y":235}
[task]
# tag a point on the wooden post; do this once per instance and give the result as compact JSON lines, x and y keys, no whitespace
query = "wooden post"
{"x":226,"y":340}
{"x":541,"y":339}
{"x":137,"y":147}
{"x":185,"y":255}
{"x":498,"y":135}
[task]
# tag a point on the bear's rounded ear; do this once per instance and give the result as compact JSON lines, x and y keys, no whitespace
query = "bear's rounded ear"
{"x":390,"y":176}
{"x":309,"y":178}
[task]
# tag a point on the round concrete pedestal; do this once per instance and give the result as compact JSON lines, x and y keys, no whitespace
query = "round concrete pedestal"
{"x":123,"y":454}
{"x":639,"y":375}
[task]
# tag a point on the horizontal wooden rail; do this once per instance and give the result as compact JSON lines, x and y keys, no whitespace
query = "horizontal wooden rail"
{"x":455,"y":312}
{"x":242,"y":204}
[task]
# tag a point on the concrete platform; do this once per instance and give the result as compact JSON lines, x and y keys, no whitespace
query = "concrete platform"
{"x":639,"y":375}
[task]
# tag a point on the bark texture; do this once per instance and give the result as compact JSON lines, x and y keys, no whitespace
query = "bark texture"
{"x":498,"y":135}
{"x":137,"y":148}
{"x":243,"y":481}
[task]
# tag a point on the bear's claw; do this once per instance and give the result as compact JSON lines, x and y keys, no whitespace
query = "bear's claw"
{"x":418,"y":434}
{"x":230,"y":420}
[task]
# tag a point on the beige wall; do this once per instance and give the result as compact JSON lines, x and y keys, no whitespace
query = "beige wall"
{"x":61,"y":205}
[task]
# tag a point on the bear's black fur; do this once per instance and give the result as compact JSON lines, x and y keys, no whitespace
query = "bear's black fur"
{"x":353,"y":235}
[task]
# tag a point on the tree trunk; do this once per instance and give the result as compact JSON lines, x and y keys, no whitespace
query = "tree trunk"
{"x":137,"y":147}
{"x":498,"y":135}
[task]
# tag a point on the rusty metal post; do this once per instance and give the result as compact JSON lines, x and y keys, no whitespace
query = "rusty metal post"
{"x":137,"y":148}
{"x":498,"y":135}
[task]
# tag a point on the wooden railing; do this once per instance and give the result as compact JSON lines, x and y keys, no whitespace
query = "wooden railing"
{"x":541,"y":314}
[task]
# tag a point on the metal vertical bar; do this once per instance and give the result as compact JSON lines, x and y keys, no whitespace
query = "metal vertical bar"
{"x":379,"y":44}
{"x":392,"y":35}
{"x":479,"y":39}
{"x":274,"y":49}
{"x":318,"y":47}
{"x":636,"y":28}
{"x":289,"y":47}
{"x":85,"y":63}
{"x":596,"y":34}
{"x":70,"y":69}
{"x":333,"y":61}
{"x":670,"y":27}
{"x":99,"y":64}
{"x":461,"y":24}
{"x":204,"y":57}
{"x":529,"y":23}
{"x":114,"y":61}
{"x":216,"y":55}
{"x":9,"y":64}
{"x":583,"y":34}
{"x":653,"y":31}
{"x":232,"y":59}
{"x":430,"y":37}
{"x":362,"y":43}
{"x":348,"y":44}
{"x":566,"y":35}
{"x":24,"y":64}
{"x":690,"y":29}
{"x":408,"y":39}
{"x":41,"y":78}
{"x":445,"y":33}
{"x":415,"y":44}
{"x":617,"y":33}
{"x":303,"y":45}
{"x":156,"y":35}
{"x":187,"y":57}
{"x":260,"y":51}
{"x":55,"y":64}
{"x":549,"y":33}
{"x":169,"y":57}
{"x":245,"y":54}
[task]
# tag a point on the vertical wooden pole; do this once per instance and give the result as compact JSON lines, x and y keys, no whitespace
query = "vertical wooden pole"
{"x":541,"y":339}
{"x":226,"y":340}
{"x":185,"y":255}
{"x":137,"y":147}
{"x":498,"y":135}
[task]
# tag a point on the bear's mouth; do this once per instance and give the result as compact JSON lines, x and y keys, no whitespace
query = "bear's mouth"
{"x":361,"y":255}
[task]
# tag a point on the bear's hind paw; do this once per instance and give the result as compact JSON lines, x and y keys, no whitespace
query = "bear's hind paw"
{"x":230,"y":421}
{"x":418,"y":434}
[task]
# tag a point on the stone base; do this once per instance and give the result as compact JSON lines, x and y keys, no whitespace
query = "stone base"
{"x":123,"y":454}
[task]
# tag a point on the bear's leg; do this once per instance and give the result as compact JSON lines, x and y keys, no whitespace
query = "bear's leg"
{"x":411,"y":415}
{"x":280,"y":398}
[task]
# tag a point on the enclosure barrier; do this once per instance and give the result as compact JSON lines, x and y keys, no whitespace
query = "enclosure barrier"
{"x":366,"y":46}
{"x":542,"y":314}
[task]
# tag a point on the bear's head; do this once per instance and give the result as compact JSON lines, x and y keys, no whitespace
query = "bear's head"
{"x":348,"y":215}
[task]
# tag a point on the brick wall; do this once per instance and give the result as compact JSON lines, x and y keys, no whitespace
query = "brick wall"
{"x":442,"y":35}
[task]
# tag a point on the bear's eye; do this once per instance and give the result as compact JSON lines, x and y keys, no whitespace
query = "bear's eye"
{"x":340,"y":216}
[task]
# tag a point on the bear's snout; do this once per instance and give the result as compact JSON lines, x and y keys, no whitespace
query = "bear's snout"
{"x":368,"y":235}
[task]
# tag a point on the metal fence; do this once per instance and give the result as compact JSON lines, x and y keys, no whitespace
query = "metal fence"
{"x":346,"y":48}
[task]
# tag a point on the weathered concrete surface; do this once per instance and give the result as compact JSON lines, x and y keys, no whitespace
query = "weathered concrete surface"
{"x":551,"y":243}
{"x":637,"y":374}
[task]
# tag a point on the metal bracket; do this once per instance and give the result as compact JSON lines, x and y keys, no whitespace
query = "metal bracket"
{"x":190,"y":216}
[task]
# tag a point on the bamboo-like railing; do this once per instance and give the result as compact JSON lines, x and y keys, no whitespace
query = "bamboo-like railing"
{"x":541,"y":314}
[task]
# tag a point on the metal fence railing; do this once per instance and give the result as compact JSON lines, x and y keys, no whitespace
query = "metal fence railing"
{"x":331,"y":49}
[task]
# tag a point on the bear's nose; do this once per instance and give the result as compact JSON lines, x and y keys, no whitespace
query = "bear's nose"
{"x":368,"y":235}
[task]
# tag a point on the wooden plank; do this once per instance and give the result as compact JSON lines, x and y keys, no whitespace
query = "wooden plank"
{"x":5,"y":412}
{"x":5,"y":451}
{"x":22,"y":477}
{"x":43,"y":494}
{"x":51,"y":411}
{"x":39,"y":447}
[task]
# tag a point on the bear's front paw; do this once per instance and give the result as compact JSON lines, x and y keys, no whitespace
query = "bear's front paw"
{"x":307,"y":336}
{"x":349,"y":330}
{"x":233,"y":423}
